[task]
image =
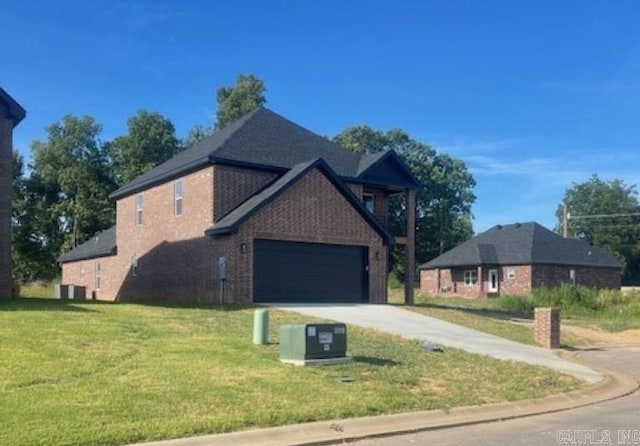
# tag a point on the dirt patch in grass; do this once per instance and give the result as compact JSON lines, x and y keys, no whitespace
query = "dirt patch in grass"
{"x":600,"y":337}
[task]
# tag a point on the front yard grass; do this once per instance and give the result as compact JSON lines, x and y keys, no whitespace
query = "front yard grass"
{"x":91,"y":373}
{"x":507,"y":316}
{"x":488,"y":322}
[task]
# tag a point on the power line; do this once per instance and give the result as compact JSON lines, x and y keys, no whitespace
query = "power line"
{"x":630,"y":214}
{"x":605,"y":226}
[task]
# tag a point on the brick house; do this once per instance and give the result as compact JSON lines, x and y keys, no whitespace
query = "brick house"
{"x":261,"y":211}
{"x":11,"y":113}
{"x":513,"y":259}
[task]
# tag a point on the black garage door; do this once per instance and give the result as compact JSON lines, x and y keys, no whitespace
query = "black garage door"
{"x":309,"y":272}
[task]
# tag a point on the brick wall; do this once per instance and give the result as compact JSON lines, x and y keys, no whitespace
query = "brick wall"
{"x":234,"y":185}
{"x":175,"y":261}
{"x":516,"y":279}
{"x":450,"y":282}
{"x":554,"y":275}
{"x":6,"y":176}
{"x":312,"y":210}
{"x":173,"y":256}
{"x":436,"y":281}
{"x":83,"y":273}
{"x":513,"y":279}
{"x":356,"y":189}
{"x":380,"y":203}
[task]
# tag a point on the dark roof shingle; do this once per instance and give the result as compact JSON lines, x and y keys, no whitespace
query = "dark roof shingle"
{"x":261,"y":139}
{"x":14,"y":110}
{"x":522,"y":244}
{"x":100,"y":245}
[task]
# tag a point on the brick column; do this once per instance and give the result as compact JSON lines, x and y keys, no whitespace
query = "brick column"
{"x":410,"y":248}
{"x":11,"y":113}
{"x":547,"y":327}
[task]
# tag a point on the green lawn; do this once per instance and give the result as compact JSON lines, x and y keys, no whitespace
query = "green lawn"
{"x":90,"y":373}
{"x":488,"y":321}
{"x":610,"y":311}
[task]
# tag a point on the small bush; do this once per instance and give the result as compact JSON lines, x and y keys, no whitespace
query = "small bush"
{"x":566,"y":297}
{"x":394,"y":283}
{"x":516,"y":304}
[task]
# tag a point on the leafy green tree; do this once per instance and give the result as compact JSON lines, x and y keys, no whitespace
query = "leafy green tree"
{"x":234,"y":102}
{"x":363,"y":139}
{"x":606,"y":214}
{"x":443,"y":204}
{"x":72,"y":166}
{"x":196,"y":134}
{"x":150,"y":140}
{"x":37,"y":234}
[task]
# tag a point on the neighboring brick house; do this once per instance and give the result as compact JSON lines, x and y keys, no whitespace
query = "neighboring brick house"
{"x":514,"y":259}
{"x":11,"y":113}
{"x":263,"y":210}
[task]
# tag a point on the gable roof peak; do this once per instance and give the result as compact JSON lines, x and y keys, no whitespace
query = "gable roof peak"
{"x":232,"y":221}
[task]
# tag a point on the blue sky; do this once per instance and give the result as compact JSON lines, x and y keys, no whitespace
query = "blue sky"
{"x":531,"y":95}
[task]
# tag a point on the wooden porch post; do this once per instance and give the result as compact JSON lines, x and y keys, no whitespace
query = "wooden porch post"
{"x":410,"y":248}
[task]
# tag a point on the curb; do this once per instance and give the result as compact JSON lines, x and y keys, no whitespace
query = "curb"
{"x":614,"y":385}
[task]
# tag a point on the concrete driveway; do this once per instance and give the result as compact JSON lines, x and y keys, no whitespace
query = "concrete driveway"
{"x":410,"y":325}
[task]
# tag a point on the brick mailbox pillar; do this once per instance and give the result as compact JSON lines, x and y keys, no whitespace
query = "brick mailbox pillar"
{"x":547,"y":327}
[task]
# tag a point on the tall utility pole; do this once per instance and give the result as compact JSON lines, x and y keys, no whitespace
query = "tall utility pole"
{"x":565,"y":221}
{"x":11,"y":113}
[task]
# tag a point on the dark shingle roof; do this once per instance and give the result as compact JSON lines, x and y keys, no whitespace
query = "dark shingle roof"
{"x":261,"y":139}
{"x":522,"y":244}
{"x":100,"y":245}
{"x":232,"y":221}
{"x":14,"y":110}
{"x":386,"y":168}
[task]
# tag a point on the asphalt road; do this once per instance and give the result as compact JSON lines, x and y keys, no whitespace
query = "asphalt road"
{"x":614,"y":422}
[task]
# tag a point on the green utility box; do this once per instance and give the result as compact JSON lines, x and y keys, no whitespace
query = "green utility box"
{"x":305,"y":342}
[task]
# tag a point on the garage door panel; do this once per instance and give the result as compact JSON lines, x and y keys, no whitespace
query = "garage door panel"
{"x":309,"y":272}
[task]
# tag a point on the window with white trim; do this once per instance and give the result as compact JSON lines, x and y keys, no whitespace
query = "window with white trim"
{"x":470,"y":277}
{"x":369,"y":202}
{"x":177,"y":197}
{"x":139,"y":208}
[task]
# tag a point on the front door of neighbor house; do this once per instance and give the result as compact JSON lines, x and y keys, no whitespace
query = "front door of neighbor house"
{"x":493,"y":281}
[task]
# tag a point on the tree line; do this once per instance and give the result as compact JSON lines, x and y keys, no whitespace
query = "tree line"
{"x":606,"y":214}
{"x":63,"y":200}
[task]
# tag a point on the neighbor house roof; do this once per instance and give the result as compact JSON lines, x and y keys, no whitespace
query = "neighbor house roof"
{"x":232,"y":221}
{"x":522,"y":244}
{"x":263,"y":139}
{"x":14,"y":111}
{"x":100,"y":245}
